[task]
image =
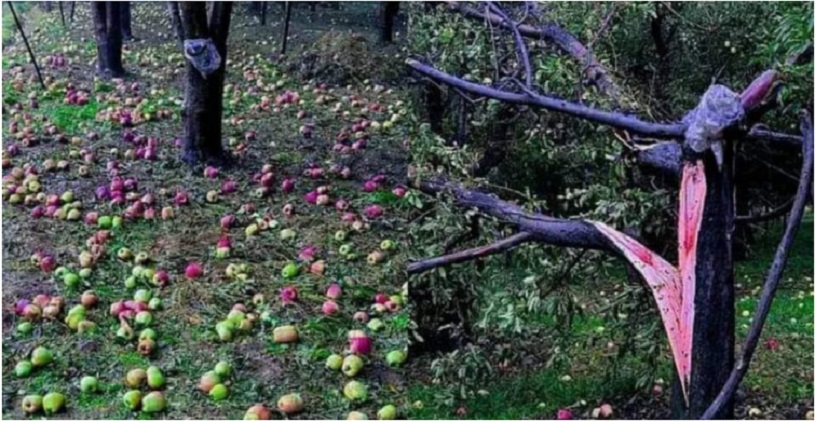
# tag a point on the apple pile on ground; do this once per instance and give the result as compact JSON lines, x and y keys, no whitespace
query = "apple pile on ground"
{"x":272,"y":267}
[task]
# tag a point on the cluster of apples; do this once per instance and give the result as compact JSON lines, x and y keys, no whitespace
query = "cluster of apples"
{"x":41,"y":306}
{"x":237,"y":321}
{"x":212,"y":382}
{"x":142,"y":272}
{"x":51,"y":403}
{"x":139,"y":310}
{"x":39,"y":358}
{"x":74,"y":96}
{"x":76,"y":319}
{"x":96,"y":246}
{"x":56,"y":60}
{"x":152,"y":402}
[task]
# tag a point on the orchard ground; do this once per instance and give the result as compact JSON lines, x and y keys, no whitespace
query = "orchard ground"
{"x":187,"y":343}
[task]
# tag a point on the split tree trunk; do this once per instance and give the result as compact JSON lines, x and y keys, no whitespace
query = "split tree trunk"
{"x":203,"y":106}
{"x":388,"y":11}
{"x":107,"y":26}
{"x":127,"y":31}
{"x":714,"y":318}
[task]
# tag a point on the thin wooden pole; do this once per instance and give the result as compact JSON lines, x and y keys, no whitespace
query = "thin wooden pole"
{"x":27,"y":46}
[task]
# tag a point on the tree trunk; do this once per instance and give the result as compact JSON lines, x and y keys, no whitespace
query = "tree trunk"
{"x":388,"y":11}
{"x":108,"y":30}
{"x":62,"y":14}
{"x":286,"y":20}
{"x":263,"y":6}
{"x":203,"y":106}
{"x":714,"y":318}
{"x":73,"y":7}
{"x":127,"y":32}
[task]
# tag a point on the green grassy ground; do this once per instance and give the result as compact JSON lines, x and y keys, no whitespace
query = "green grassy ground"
{"x":779,"y":384}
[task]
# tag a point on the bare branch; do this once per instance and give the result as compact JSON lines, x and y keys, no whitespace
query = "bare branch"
{"x":522,"y":52}
{"x":469,"y":254}
{"x":544,"y":229}
{"x":568,"y":43}
{"x":773,"y":214}
{"x":773,"y":277}
{"x":759,"y":133}
{"x":618,"y":120}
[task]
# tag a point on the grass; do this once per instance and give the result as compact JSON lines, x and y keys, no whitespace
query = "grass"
{"x":777,"y":379}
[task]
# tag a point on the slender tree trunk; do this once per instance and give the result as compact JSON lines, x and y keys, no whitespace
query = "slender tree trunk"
{"x":388,"y":11}
{"x":100,"y":29}
{"x":73,"y":7}
{"x":127,"y":31}
{"x":263,"y":6}
{"x":203,"y":107}
{"x":286,"y":20}
{"x":62,"y":14}
{"x":714,"y":318}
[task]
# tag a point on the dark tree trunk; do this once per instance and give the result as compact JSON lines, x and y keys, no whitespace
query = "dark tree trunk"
{"x":388,"y":11}
{"x":434,"y":106}
{"x":107,"y":26}
{"x":62,"y":14}
{"x":203,"y":106}
{"x":127,"y":31}
{"x":286,"y":19}
{"x":714,"y":319}
{"x":73,"y":7}
{"x":175,"y":18}
{"x":263,"y":6}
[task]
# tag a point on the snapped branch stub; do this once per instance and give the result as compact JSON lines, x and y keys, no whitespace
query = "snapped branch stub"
{"x":203,"y":55}
{"x":719,"y":109}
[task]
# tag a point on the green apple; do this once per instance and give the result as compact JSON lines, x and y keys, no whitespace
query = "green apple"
{"x":23,"y":369}
{"x":355,"y":391}
{"x":334,"y":362}
{"x":395,"y":358}
{"x":41,"y":357}
{"x":88,"y":384}
{"x":223,"y":369}
{"x":155,"y":379}
{"x":32,"y":403}
{"x":219,"y":392}
{"x":387,"y":413}
{"x":132,"y":399}
{"x":153,"y":402}
{"x":53,"y":402}
{"x":351,"y":365}
{"x":290,"y":270}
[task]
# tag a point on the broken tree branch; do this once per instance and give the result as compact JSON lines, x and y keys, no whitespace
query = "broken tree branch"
{"x":618,"y":120}
{"x":470,"y":254}
{"x":544,"y":229}
{"x":773,"y":277}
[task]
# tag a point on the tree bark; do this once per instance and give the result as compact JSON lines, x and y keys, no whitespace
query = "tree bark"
{"x":203,"y":106}
{"x":107,"y":25}
{"x":263,"y":6}
{"x":388,"y":11}
{"x":127,"y":31}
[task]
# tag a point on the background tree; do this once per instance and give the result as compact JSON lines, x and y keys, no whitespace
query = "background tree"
{"x":107,"y":23}
{"x":203,"y":96}
{"x":388,"y":11}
